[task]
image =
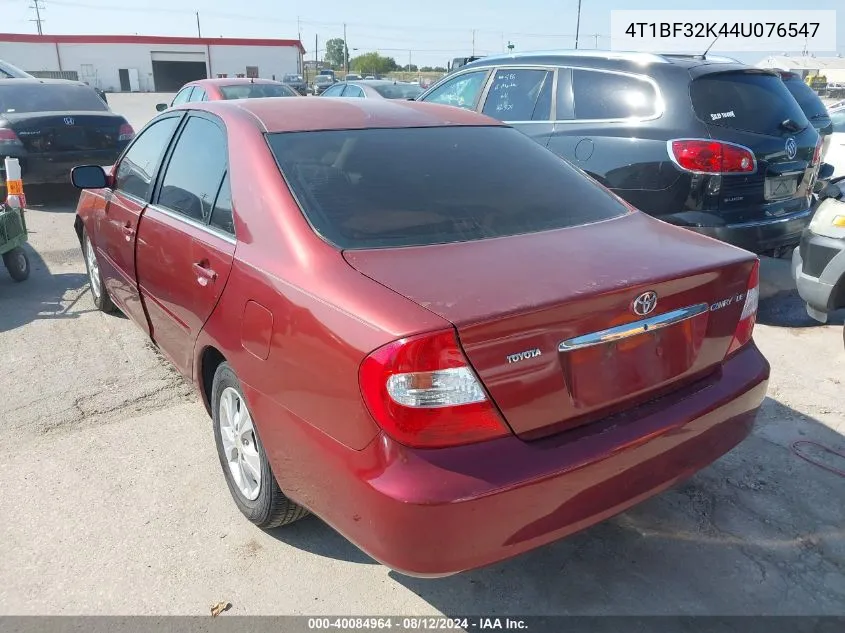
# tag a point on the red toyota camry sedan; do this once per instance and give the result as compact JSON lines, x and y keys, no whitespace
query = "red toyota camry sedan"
{"x":420,"y":325}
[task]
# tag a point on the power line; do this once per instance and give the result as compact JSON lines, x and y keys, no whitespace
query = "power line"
{"x":37,"y":6}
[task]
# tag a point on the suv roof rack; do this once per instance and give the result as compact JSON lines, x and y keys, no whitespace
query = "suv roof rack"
{"x":707,"y":57}
{"x":633,"y":56}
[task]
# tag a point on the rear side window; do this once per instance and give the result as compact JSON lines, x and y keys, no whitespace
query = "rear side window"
{"x":381,"y":188}
{"x":195,"y":170}
{"x":750,"y":101}
{"x":600,"y":95}
{"x":520,"y":95}
{"x":807,"y":98}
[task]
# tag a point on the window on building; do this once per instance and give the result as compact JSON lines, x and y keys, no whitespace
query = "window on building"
{"x":252,"y":72}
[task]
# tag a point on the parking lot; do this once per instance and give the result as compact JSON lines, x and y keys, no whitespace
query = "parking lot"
{"x":114,"y":503}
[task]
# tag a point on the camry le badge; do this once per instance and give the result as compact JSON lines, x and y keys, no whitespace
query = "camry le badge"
{"x":69,"y":120}
{"x":791,"y":148}
{"x":645,"y":303}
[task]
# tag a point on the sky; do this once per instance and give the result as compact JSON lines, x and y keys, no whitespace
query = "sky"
{"x":428,"y":32}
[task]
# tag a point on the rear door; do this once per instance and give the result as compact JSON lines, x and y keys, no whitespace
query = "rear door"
{"x":522,"y":97}
{"x":183,"y":258}
{"x":117,"y":223}
{"x":755,"y":110}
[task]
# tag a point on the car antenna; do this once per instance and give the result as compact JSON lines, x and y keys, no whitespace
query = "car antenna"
{"x":704,"y":54}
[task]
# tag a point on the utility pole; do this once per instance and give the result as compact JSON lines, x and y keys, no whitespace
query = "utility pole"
{"x":409,"y":61}
{"x":199,"y":30}
{"x":298,"y":29}
{"x":345,"y":51}
{"x":473,"y":42}
{"x":578,"y":24}
{"x":597,"y":39}
{"x":37,"y":6}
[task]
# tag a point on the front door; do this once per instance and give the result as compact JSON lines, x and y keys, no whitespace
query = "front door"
{"x":183,"y":257}
{"x":117,"y":223}
{"x":125,"y":85}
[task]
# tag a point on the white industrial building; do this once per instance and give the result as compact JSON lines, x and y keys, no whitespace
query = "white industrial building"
{"x":136,"y":63}
{"x":831,"y":67}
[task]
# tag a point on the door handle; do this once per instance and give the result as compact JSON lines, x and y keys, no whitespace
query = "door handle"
{"x":128,"y":231}
{"x":203,"y":273}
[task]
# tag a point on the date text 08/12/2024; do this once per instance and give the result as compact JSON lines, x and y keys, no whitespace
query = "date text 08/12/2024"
{"x":417,"y":623}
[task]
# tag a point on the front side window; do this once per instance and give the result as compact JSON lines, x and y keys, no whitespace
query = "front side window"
{"x":221,"y":216}
{"x":195,"y":169}
{"x":520,"y":95}
{"x":137,"y":168}
{"x":382,"y":188}
{"x":600,"y":95}
{"x":183,"y":96}
{"x":462,"y":91}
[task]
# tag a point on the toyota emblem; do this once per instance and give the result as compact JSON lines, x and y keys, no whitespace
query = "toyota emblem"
{"x":791,"y":148}
{"x":69,"y":120}
{"x":645,"y":303}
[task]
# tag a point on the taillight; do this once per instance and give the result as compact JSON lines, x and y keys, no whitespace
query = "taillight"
{"x":126,"y":133}
{"x":817,"y":155}
{"x":423,"y":393}
{"x":8,"y":136}
{"x":712,"y":157}
{"x":745,"y":327}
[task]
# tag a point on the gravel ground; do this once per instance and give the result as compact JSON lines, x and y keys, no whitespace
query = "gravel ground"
{"x":113,"y":501}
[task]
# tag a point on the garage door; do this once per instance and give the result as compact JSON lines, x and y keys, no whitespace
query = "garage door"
{"x":173,"y":69}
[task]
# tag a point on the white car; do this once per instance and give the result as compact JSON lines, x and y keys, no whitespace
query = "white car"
{"x":836,"y":151}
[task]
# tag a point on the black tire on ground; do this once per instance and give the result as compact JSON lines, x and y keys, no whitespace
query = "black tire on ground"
{"x":271,"y":508}
{"x":17,"y":263}
{"x":101,"y":297}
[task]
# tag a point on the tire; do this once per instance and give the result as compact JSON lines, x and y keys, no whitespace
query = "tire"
{"x":17,"y":263}
{"x":101,"y":297}
{"x":262,"y":501}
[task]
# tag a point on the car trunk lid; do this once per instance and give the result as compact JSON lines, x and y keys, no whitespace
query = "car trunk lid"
{"x":45,"y":132}
{"x":540,"y":315}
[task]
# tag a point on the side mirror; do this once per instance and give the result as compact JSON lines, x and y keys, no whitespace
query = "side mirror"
{"x":89,"y":177}
{"x":825,"y":171}
{"x":161,"y":107}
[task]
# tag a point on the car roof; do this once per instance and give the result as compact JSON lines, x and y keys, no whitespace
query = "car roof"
{"x":230,"y":81}
{"x":306,"y":115}
{"x":605,"y":58}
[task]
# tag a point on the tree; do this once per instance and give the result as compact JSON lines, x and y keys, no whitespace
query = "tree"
{"x":373,"y":64}
{"x":334,"y":52}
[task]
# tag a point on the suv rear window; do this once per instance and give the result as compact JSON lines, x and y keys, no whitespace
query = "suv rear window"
{"x":17,"y":96}
{"x":751,"y":101}
{"x":380,"y":188}
{"x":806,"y":97}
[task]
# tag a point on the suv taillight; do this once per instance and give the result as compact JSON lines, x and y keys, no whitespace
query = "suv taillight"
{"x":126,"y":133}
{"x":745,"y":327}
{"x":817,"y":155}
{"x":9,"y":137}
{"x":712,"y":157}
{"x":422,"y":392}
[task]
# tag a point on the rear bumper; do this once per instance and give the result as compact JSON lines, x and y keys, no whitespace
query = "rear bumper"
{"x":439,"y":512}
{"x":818,"y":266}
{"x":48,"y":169}
{"x":759,"y":236}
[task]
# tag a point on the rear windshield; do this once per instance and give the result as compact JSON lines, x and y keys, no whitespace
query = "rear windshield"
{"x":807,"y":98}
{"x":255,"y":91}
{"x":380,"y":188}
{"x":398,"y":91}
{"x":38,"y":97}
{"x":293,"y":78}
{"x":755,"y":102}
